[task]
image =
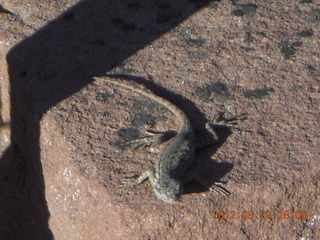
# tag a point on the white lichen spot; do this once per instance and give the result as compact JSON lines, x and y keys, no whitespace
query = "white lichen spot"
{"x":48,"y":141}
{"x":67,"y":175}
{"x":77,"y":181}
{"x":3,"y":43}
{"x":5,"y":139}
{"x":76,"y":195}
{"x":311,"y":221}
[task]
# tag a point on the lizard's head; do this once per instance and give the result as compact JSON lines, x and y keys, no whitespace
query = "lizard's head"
{"x":168,"y":191}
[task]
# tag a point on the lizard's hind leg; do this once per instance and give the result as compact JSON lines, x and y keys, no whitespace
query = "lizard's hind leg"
{"x":153,"y":139}
{"x":216,"y":186}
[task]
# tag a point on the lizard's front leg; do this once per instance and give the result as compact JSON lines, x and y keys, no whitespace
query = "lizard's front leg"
{"x":212,"y":128}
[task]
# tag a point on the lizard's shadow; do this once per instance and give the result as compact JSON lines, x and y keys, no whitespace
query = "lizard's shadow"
{"x":210,"y":169}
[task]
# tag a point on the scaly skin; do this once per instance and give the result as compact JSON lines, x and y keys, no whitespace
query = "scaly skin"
{"x":175,"y":156}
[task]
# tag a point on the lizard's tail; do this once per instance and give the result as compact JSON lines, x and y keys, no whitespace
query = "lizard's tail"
{"x":185,"y":123}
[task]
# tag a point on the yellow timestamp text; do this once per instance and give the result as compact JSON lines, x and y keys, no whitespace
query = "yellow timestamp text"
{"x":263,"y":214}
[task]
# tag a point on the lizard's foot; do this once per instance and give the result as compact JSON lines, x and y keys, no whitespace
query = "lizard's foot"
{"x":137,"y":179}
{"x":213,"y":187}
{"x":153,"y":138}
{"x":130,"y":182}
{"x":227,"y":122}
{"x":216,"y":187}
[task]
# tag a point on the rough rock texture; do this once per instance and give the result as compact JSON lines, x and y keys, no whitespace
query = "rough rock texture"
{"x":60,"y":175}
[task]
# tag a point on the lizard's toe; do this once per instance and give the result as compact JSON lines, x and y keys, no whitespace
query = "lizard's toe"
{"x":129,"y":181}
{"x":216,"y":187}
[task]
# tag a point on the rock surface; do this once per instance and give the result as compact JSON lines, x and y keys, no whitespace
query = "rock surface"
{"x":61,"y":173}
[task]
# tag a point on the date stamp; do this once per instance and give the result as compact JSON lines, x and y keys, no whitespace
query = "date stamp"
{"x":263,"y":214}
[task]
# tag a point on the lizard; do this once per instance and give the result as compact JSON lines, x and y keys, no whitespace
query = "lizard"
{"x":176,"y":155}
